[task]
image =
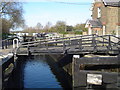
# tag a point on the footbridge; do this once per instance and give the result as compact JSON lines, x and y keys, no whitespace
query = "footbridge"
{"x":87,"y":44}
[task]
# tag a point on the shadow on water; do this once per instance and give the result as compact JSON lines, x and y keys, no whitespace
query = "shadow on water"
{"x":38,"y":72}
{"x":61,"y":75}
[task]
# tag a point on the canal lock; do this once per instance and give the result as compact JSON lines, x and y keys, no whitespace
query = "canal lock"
{"x":62,"y":67}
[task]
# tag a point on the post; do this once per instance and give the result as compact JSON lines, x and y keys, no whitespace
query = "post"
{"x":103,"y":41}
{"x":14,"y":43}
{"x":109,"y":42}
{"x":79,"y":77}
{"x":63,"y":46}
{"x":39,"y":43}
{"x":10,"y":42}
{"x":69,"y":41}
{"x":80,"y":44}
{"x":2,"y":44}
{"x":94,"y":42}
{"x":29,"y":53}
{"x":6,"y":44}
{"x":56,"y":41}
{"x":46,"y":46}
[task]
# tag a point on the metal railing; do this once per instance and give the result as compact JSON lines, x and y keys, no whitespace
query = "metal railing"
{"x":7,"y":42}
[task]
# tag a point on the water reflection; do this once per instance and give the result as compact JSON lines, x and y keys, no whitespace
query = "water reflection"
{"x":37,"y":74}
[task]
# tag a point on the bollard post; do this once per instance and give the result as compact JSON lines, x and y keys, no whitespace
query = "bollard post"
{"x":14,"y":43}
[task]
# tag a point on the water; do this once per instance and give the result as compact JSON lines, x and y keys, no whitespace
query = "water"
{"x":38,"y":74}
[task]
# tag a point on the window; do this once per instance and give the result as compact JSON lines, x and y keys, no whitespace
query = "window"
{"x":99,"y":12}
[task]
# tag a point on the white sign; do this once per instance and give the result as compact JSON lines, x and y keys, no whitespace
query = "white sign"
{"x":76,"y":56}
{"x":94,"y":79}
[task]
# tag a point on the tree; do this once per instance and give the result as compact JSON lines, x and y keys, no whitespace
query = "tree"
{"x":80,"y":27}
{"x":39,"y":27}
{"x":60,"y":26}
{"x":5,"y":25}
{"x":48,"y":26}
{"x":11,"y":12}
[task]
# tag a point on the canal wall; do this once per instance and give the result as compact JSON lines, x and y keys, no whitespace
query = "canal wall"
{"x":12,"y":71}
{"x":7,"y":64}
{"x":103,"y":68}
{"x":64,"y":61}
{"x":62,"y":65}
{"x":15,"y":80}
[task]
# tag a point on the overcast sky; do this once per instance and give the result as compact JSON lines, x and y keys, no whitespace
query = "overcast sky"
{"x":43,"y":11}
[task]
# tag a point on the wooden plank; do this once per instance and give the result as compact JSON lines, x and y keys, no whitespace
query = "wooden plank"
{"x":99,"y":60}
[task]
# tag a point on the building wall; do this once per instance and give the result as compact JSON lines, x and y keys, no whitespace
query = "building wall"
{"x":118,"y":27}
{"x":112,"y":20}
{"x":109,"y":17}
{"x":103,"y":18}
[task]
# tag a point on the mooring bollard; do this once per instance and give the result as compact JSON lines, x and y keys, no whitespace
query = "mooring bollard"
{"x":14,"y":43}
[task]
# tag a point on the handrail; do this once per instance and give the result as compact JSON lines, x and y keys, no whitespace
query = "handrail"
{"x":79,"y":42}
{"x":62,"y":39}
{"x":54,"y":39}
{"x":8,"y":38}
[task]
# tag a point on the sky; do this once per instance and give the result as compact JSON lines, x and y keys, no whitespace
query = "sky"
{"x":72,"y":11}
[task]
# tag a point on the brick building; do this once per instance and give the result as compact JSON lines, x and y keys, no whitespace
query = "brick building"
{"x":105,"y":18}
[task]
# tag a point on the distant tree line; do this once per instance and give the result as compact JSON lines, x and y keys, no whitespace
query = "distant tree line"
{"x":59,"y":27}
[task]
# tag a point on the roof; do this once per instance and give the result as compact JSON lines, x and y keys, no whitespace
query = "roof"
{"x":95,"y":23}
{"x":115,"y":3}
